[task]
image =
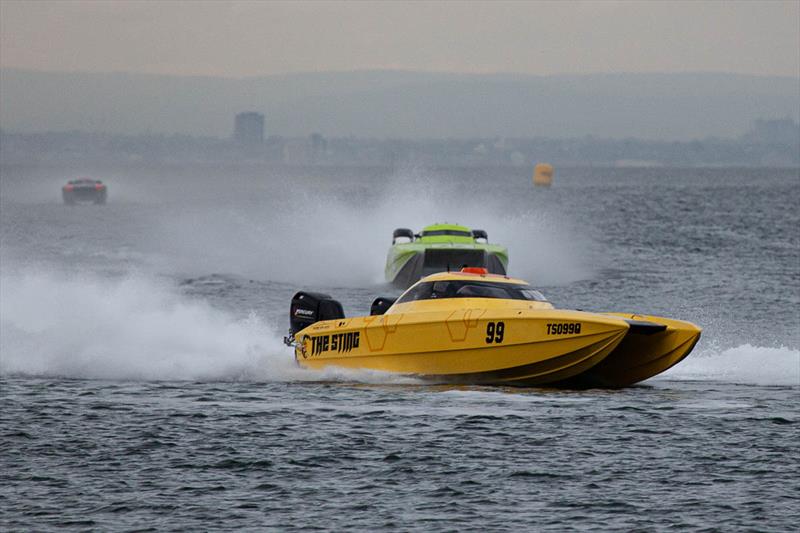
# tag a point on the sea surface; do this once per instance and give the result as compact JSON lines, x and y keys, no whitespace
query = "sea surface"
{"x":144,"y":384}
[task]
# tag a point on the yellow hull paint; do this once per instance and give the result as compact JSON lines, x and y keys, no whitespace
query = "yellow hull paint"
{"x":639,"y":357}
{"x":470,"y":340}
{"x":452,"y":345}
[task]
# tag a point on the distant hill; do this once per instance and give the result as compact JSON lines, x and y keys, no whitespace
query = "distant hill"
{"x":397,"y":104}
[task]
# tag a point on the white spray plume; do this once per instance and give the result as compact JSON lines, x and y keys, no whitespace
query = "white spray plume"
{"x":338,"y":240}
{"x":745,"y":364}
{"x":55,"y":325}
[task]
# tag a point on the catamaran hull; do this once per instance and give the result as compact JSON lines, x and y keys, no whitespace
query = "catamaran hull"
{"x":558,"y":348}
{"x":418,"y":264}
{"x":553,"y":369}
{"x":642,"y":354}
{"x":469,"y":346}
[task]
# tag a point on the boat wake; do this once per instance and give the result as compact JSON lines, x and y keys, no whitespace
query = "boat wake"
{"x":291,"y":246}
{"x":138,"y":328}
{"x":745,"y":364}
{"x":132,"y":328}
{"x":135,"y":328}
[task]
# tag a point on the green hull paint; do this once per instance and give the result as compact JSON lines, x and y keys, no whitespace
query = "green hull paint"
{"x":406,"y":262}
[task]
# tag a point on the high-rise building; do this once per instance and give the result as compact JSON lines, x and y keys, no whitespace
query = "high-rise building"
{"x":777,"y":131}
{"x":249,"y":128}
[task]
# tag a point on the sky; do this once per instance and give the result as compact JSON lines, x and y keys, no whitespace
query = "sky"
{"x":258,"y":38}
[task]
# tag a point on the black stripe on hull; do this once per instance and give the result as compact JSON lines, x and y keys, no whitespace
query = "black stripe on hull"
{"x":547,"y":372}
{"x":593,"y":378}
{"x":410,"y":273}
{"x":413,"y":270}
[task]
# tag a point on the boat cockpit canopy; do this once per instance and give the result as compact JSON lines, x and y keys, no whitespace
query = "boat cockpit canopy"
{"x":430,"y":290}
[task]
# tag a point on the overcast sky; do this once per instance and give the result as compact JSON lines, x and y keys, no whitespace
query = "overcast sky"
{"x":241,"y":39}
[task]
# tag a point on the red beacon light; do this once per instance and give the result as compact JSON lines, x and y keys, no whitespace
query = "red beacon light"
{"x":474,"y":270}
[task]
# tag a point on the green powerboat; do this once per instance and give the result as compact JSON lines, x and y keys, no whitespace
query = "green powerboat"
{"x":441,"y":248}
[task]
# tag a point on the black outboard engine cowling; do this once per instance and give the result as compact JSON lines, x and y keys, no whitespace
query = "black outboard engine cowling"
{"x":310,"y":307}
{"x":381,"y":304}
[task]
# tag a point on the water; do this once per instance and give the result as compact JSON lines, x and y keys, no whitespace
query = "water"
{"x":143,"y":382}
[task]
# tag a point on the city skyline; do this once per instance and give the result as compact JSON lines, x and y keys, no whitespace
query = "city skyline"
{"x":385,"y":104}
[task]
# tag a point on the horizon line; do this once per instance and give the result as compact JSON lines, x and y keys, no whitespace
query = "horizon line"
{"x":379,"y":70}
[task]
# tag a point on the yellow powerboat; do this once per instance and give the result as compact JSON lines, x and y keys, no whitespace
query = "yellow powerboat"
{"x":471,"y":327}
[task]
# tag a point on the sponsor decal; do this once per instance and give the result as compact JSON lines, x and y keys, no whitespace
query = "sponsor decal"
{"x":338,"y":342}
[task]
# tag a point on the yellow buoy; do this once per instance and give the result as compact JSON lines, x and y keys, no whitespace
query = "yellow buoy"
{"x":543,"y":174}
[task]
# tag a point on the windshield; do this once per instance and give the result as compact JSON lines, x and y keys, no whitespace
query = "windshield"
{"x":453,"y":232}
{"x":430,"y":290}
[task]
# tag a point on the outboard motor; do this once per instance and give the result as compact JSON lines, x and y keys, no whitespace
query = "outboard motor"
{"x":381,"y":304}
{"x":310,"y":307}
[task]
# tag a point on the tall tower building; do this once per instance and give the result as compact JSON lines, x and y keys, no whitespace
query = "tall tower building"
{"x":248,"y":128}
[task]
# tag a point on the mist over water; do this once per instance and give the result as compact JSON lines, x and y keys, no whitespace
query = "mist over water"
{"x":335,"y":234}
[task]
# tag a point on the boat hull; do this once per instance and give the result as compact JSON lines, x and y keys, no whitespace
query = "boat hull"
{"x":542,"y":372}
{"x":641,"y":355}
{"x":407,"y":263}
{"x":472,"y":327}
{"x":468,"y":345}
